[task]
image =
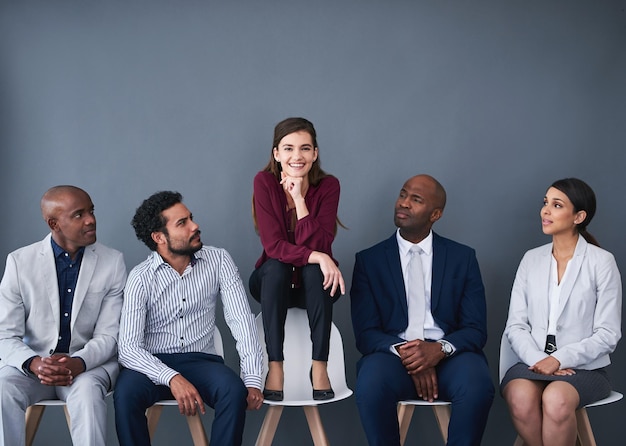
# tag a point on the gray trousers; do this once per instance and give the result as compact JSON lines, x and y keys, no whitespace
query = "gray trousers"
{"x":84,"y":399}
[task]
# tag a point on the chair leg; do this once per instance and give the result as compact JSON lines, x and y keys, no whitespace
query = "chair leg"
{"x":33,"y":418}
{"x":152,"y":415}
{"x":197,"y":430}
{"x":442,"y":414}
{"x":268,"y":428}
{"x":67,"y":418}
{"x":585,"y":433}
{"x":315,"y":426}
{"x":405,"y":413}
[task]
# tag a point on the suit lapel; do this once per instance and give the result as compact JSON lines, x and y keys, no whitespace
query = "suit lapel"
{"x":47,"y":266}
{"x":392,"y":253}
{"x":87,"y":268}
{"x":440,"y":253}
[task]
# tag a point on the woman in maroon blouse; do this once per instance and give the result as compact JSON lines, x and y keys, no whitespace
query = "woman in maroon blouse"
{"x":295,"y":212}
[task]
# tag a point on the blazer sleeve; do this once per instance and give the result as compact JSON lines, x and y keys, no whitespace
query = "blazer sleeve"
{"x":367,"y":320}
{"x":13,"y":350}
{"x":518,"y":326}
{"x":102,"y":345}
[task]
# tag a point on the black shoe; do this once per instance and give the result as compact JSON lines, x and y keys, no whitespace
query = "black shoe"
{"x":273,"y":395}
{"x":321,"y":395}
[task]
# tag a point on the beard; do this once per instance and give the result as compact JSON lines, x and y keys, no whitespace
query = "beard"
{"x":187,"y":250}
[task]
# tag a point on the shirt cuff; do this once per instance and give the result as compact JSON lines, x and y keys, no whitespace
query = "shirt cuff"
{"x":252,"y":381}
{"x":394,"y":347}
{"x":26,"y":366}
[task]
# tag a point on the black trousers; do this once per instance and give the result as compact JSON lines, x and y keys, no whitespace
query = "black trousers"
{"x":270,"y":285}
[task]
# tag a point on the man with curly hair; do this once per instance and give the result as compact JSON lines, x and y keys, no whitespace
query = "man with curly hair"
{"x":166,"y":343}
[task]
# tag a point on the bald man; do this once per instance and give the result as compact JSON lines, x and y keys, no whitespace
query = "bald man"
{"x":419,"y":318}
{"x":60,"y":304}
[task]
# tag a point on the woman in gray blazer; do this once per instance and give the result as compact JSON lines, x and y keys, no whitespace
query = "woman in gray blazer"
{"x":564,"y":321}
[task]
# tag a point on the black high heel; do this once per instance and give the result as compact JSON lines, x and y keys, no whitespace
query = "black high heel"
{"x":321,"y":395}
{"x":273,"y":395}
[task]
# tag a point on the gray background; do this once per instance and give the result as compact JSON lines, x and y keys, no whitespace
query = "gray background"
{"x":496,"y":99}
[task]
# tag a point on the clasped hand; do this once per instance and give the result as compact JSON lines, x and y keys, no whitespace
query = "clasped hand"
{"x":57,"y":370}
{"x":550,"y":366}
{"x":420,"y":358}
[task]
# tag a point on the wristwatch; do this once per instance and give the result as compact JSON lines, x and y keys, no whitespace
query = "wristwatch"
{"x":446,"y":347}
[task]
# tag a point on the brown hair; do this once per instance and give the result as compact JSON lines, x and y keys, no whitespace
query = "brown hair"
{"x":287,"y":127}
{"x":282,"y":129}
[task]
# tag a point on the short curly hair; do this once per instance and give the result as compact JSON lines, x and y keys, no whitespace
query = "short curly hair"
{"x":149,"y":218}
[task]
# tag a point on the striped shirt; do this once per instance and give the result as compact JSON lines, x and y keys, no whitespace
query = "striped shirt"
{"x":165,"y":312}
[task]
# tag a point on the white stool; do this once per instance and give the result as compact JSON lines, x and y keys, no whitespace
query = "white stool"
{"x":298,"y":390}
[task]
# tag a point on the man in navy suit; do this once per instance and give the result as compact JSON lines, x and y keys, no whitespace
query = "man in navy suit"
{"x":428,"y":345}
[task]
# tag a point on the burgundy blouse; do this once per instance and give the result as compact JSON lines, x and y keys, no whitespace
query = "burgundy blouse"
{"x":315,"y":232}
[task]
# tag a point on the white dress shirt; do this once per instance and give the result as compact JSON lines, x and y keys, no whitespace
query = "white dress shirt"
{"x":431,"y":329}
{"x":554,"y":295}
{"x":165,"y":312}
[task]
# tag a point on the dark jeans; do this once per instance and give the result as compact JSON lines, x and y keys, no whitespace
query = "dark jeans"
{"x":270,"y":285}
{"x":217,"y":384}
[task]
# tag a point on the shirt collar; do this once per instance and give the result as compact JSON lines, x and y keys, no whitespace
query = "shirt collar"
{"x":59,"y":253}
{"x":405,"y":245}
{"x":157,"y":261}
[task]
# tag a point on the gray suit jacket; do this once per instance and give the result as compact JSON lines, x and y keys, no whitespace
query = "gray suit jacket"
{"x":589,"y":321}
{"x":30,"y":308}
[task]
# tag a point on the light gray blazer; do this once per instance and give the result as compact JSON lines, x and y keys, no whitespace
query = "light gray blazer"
{"x":30,"y":308}
{"x":589,"y":321}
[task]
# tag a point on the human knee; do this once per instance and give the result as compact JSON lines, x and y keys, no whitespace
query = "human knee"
{"x":476,"y":387}
{"x":276,"y":270}
{"x":11,"y":393}
{"x":312,"y":272}
{"x":372,"y":389}
{"x":130,"y":391}
{"x":88,"y":389}
{"x":233,"y":393}
{"x":559,"y":404}
{"x":521,"y":402}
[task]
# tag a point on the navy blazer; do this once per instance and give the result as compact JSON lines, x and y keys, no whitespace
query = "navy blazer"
{"x":378,"y":298}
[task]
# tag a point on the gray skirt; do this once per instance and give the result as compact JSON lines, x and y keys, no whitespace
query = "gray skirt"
{"x":591,"y":385}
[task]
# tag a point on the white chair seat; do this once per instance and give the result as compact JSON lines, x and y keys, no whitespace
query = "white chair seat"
{"x":297,"y":364}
